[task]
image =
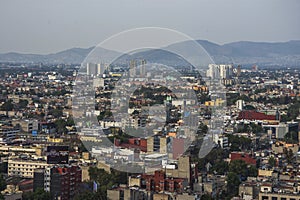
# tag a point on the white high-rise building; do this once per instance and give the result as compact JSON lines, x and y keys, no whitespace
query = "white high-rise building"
{"x":213,"y":71}
{"x":219,"y":71}
{"x":91,"y":69}
{"x":143,"y":68}
{"x":132,"y":68}
{"x":100,"y":68}
{"x":226,"y":71}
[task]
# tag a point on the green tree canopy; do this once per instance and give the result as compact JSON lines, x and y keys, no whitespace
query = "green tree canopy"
{"x":2,"y":183}
{"x":39,"y":194}
{"x":272,"y":161}
{"x":7,"y":106}
{"x":233,"y":183}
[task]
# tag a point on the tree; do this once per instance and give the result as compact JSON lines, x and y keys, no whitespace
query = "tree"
{"x":70,"y":122}
{"x":22,"y":103}
{"x":231,"y":98}
{"x":256,"y":128}
{"x":239,"y":143}
{"x":39,"y":194}
{"x":220,"y":167}
{"x":214,"y":157}
{"x":57,"y":113}
{"x":88,"y":195}
{"x":241,"y":168}
{"x":104,"y":114}
{"x":289,"y":155}
{"x":105,"y":180}
{"x":291,"y":137}
{"x":60,"y":125}
{"x":2,"y":183}
{"x":245,"y":98}
{"x":249,"y":107}
{"x":252,"y":171}
{"x":292,"y":112}
{"x":7,"y":106}
{"x":206,"y":197}
{"x":202,"y":129}
{"x":233,"y":183}
{"x":272,"y":161}
{"x":238,"y":167}
{"x":3,"y":167}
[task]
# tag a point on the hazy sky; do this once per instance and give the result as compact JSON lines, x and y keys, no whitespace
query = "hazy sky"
{"x":45,"y":26}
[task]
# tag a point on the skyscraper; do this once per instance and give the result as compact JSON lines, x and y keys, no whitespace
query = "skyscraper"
{"x":239,"y":70}
{"x":143,"y":68}
{"x":91,"y":69}
{"x":132,"y":68}
{"x":100,"y":68}
{"x":219,"y":71}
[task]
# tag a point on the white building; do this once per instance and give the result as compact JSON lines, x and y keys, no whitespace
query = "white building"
{"x":100,"y":68}
{"x":91,"y":69}
{"x":213,"y":71}
{"x":240,"y":104}
{"x":219,"y":71}
{"x":98,"y":82}
{"x":221,"y":139}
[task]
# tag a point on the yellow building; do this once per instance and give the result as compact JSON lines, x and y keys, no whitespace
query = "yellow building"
{"x":267,"y":173}
{"x":134,"y":181}
{"x":85,"y":176}
{"x":101,"y":165}
{"x":24,"y":168}
{"x":55,"y":140}
{"x":161,"y":197}
{"x":217,"y":102}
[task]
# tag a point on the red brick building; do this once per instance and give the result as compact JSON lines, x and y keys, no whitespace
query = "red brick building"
{"x":61,"y":181}
{"x":65,"y":181}
{"x":159,"y":182}
{"x":254,"y":115}
{"x":243,"y":156}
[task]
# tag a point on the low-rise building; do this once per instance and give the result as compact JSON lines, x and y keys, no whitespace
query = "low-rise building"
{"x":12,"y":193}
{"x":279,"y":147}
{"x":24,"y":168}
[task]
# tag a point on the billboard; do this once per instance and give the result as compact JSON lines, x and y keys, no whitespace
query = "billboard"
{"x":57,"y":154}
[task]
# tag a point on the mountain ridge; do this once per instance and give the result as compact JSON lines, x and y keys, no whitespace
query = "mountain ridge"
{"x":241,"y":52}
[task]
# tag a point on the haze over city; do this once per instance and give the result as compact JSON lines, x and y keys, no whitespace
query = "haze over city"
{"x":43,"y":27}
{"x":150,"y":100}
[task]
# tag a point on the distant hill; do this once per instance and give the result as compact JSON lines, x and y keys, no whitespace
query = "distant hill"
{"x":281,"y":53}
{"x":246,"y":53}
{"x":74,"y":55}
